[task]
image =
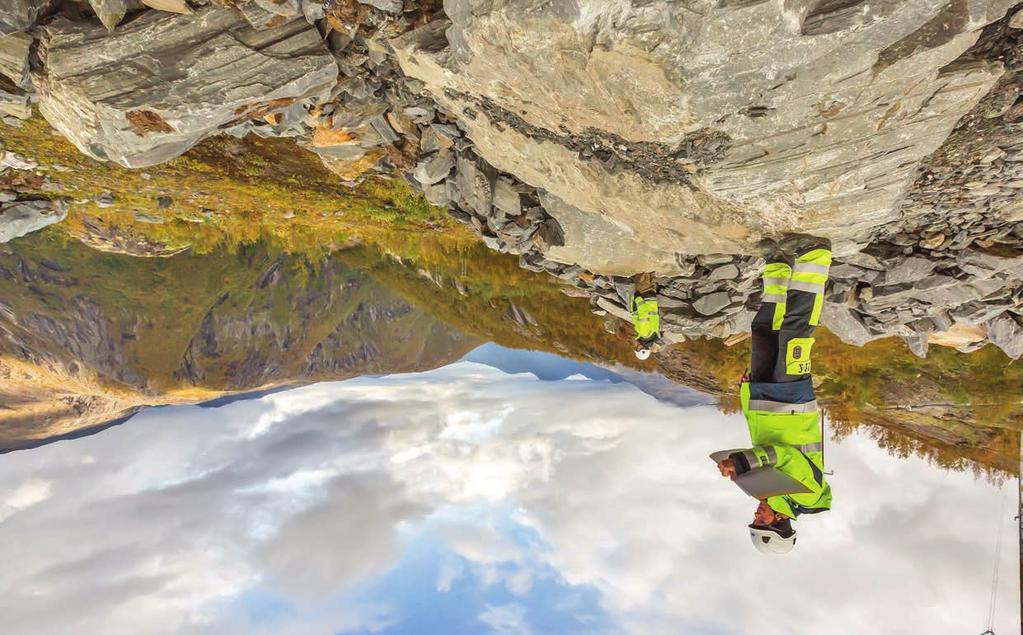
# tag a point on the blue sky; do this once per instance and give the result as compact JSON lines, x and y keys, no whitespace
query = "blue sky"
{"x":473,"y":500}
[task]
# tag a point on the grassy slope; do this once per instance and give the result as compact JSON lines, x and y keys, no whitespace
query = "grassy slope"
{"x":225,"y":191}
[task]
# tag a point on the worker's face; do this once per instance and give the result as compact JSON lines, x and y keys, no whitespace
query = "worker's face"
{"x":727,"y":468}
{"x":764,"y":514}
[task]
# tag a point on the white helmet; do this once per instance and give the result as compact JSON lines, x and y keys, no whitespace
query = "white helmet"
{"x":643,"y":353}
{"x":770,"y":541}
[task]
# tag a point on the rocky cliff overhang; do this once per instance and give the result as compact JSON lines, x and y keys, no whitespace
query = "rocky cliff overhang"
{"x":701,"y":126}
{"x":598,"y":139}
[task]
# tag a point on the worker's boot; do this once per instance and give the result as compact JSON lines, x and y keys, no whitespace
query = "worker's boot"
{"x":794,"y":245}
{"x":644,"y":283}
{"x":772,"y":251}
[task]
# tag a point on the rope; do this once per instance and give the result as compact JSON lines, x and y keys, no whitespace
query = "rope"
{"x":994,"y":575}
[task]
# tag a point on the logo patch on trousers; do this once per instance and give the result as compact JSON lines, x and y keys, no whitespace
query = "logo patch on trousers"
{"x":797,"y":356}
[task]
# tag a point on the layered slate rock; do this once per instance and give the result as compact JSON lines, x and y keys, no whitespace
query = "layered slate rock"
{"x":894,"y":288}
{"x":161,"y":83}
{"x":110,"y":12}
{"x":18,"y":15}
{"x":14,"y":50}
{"x":699,"y":126}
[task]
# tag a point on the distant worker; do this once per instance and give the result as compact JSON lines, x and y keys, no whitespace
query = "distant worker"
{"x":645,"y":317}
{"x":784,"y":470}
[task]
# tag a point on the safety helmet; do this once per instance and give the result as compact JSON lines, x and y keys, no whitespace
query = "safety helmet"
{"x":768,"y":540}
{"x":643,"y":353}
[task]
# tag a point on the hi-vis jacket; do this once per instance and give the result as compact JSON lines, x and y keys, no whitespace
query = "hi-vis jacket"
{"x":786,"y":440}
{"x":645,"y":317}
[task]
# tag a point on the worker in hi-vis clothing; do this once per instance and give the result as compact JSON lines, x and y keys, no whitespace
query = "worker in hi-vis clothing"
{"x":784,"y":470}
{"x":646,"y":318}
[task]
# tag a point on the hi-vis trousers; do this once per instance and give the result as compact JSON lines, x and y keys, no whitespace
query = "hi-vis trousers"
{"x":789,"y":312}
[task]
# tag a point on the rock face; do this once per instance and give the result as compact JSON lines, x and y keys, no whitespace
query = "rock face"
{"x":699,"y":126}
{"x":18,"y":15}
{"x":901,"y":286}
{"x":14,"y":51}
{"x":109,"y":12}
{"x":162,"y":82}
{"x":18,"y":218}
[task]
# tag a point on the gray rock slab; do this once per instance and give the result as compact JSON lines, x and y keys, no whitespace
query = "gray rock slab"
{"x":712,"y":303}
{"x":863,"y":260}
{"x":257,"y":17}
{"x":174,"y":6}
{"x":434,"y":168}
{"x":1006,"y":332}
{"x":614,"y":309}
{"x":23,"y":217}
{"x":601,"y":245}
{"x":284,"y":8}
{"x":14,"y":107}
{"x":110,"y":12}
{"x":14,"y":49}
{"x":666,"y":303}
{"x":740,"y":322}
{"x":312,"y":10}
{"x":162,"y":82}
{"x":384,"y":129}
{"x":508,"y":196}
{"x":625,"y":290}
{"x":387,"y":6}
{"x":975,"y":312}
{"x":437,"y":194}
{"x":917,"y":343}
{"x":845,"y":271}
{"x":724,"y":272}
{"x":14,"y":161}
{"x":709,"y":260}
{"x":845,"y":323}
{"x":19,"y":15}
{"x":476,"y":184}
{"x":984,"y":264}
{"x":909,"y":270}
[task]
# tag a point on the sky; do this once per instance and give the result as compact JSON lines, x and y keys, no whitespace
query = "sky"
{"x":473,"y":500}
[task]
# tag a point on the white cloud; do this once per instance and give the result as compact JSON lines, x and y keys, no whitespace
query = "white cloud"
{"x":450,"y":571}
{"x":311,"y":494}
{"x":506,"y":619}
{"x":27,"y":494}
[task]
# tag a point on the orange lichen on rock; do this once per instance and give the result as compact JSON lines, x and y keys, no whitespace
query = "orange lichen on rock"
{"x":256,"y":111}
{"x":324,"y":135}
{"x":145,"y":122}
{"x":352,"y":169}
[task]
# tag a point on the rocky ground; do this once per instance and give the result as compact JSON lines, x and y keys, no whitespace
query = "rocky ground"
{"x":360,"y":84}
